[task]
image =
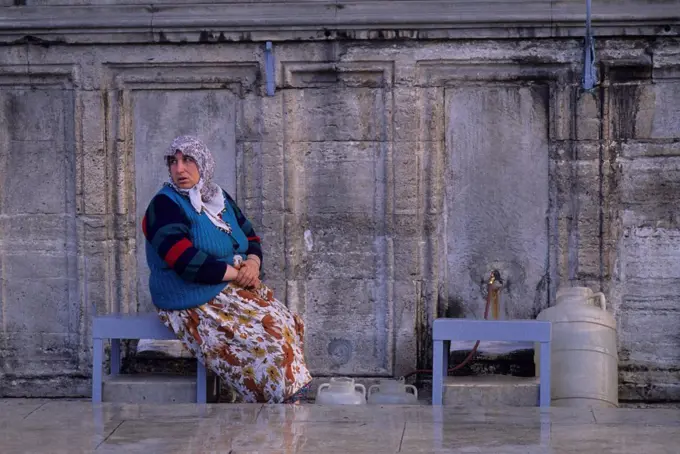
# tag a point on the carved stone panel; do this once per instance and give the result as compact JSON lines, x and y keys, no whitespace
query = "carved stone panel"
{"x":336,"y":154}
{"x":40,"y":307}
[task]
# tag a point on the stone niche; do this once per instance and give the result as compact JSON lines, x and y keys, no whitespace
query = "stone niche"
{"x":41,"y":319}
{"x":497,"y":201}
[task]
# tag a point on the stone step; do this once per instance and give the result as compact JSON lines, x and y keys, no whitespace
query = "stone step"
{"x":491,"y":391}
{"x":155,"y":389}
{"x":474,"y":391}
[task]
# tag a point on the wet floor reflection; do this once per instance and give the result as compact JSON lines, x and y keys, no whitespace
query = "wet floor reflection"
{"x":79,"y":426}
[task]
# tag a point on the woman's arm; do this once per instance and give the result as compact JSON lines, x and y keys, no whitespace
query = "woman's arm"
{"x":167,"y":230}
{"x":254,"y":246}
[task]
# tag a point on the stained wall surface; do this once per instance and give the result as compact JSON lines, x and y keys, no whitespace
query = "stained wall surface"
{"x":386,"y":176}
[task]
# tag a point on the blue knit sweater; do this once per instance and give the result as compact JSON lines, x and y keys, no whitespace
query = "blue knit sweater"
{"x":187,"y":254}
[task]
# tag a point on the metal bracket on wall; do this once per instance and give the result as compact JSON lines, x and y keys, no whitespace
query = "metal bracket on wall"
{"x":589,"y":69}
{"x":269,"y":68}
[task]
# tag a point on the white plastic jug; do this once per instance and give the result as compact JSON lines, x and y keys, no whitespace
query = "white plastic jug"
{"x":341,"y":391}
{"x":392,"y":392}
{"x":584,"y":352}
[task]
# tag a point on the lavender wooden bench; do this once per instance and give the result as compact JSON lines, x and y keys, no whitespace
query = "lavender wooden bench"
{"x":137,"y":326}
{"x":446,"y":330}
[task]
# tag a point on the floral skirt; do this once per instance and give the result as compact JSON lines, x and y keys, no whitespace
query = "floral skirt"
{"x":249,"y":339}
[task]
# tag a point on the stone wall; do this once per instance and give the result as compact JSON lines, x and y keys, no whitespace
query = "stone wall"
{"x":387,"y":177}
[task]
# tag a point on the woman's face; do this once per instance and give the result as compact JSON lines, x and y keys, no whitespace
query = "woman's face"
{"x":183,"y":170}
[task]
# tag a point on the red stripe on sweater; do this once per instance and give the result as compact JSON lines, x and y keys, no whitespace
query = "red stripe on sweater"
{"x":254,"y":238}
{"x":144,"y":226}
{"x":177,"y":250}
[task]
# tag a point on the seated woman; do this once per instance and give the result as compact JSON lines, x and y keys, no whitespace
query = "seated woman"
{"x":207,"y":294}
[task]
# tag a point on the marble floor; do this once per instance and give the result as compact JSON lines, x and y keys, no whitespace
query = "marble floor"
{"x":72,"y":426}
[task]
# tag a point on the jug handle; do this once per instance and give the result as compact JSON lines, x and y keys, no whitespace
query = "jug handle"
{"x":371,"y":388}
{"x":415,"y":390}
{"x":600,"y":297}
{"x":363,"y":388}
{"x":322,"y":387}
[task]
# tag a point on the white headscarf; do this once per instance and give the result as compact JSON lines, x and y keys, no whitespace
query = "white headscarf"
{"x":205,"y":195}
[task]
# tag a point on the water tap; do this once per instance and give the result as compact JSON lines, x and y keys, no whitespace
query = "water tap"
{"x":495,"y":281}
{"x":493,"y":304}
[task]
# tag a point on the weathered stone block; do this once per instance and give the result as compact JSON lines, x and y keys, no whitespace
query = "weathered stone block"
{"x":327,"y":236}
{"x":491,"y":391}
{"x":588,"y":123}
{"x":342,"y":177}
{"x":50,"y":356}
{"x":346,"y":327}
{"x":340,"y":249}
{"x":577,"y":151}
{"x":152,"y":389}
{"x":434,"y":162}
{"x":96,"y":269}
{"x":94,"y":183}
{"x":335,"y":114}
{"x":407,"y":176}
{"x":651,"y":186}
{"x":419,"y":114}
{"x":584,"y":223}
{"x":666,"y":67}
{"x":561,"y":113}
{"x":36,"y":232}
{"x":28,"y":265}
{"x":407,"y":258}
{"x":248,"y":175}
{"x":41,"y":179}
{"x":29,"y":301}
{"x":580,"y":204}
{"x":273,"y":182}
{"x":406,"y":305}
{"x":651,"y":253}
{"x":38,"y":115}
{"x":407,"y":103}
{"x":414,"y":224}
{"x":90,"y":110}
{"x":645,"y":111}
{"x":271,"y":230}
{"x":649,"y":385}
{"x":635,"y":149}
{"x":342,"y":265}
{"x":649,"y":337}
{"x":260,"y":119}
{"x":351,"y":74}
{"x":94,"y":230}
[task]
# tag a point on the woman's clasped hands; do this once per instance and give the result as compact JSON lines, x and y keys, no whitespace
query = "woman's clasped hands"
{"x":248,"y":273}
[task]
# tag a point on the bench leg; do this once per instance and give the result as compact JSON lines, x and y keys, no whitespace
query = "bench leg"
{"x":97,"y":366}
{"x":544,"y":400}
{"x":115,"y":356}
{"x":440,"y":365}
{"x":201,"y":383}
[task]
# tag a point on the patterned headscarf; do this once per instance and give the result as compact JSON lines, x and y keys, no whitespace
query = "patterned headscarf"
{"x":195,"y":148}
{"x":205,"y":196}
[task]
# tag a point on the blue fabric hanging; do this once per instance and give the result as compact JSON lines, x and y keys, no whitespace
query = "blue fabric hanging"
{"x":589,"y":69}
{"x":269,"y":68}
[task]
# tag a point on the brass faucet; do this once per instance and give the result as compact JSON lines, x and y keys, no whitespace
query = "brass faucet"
{"x":494,"y":285}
